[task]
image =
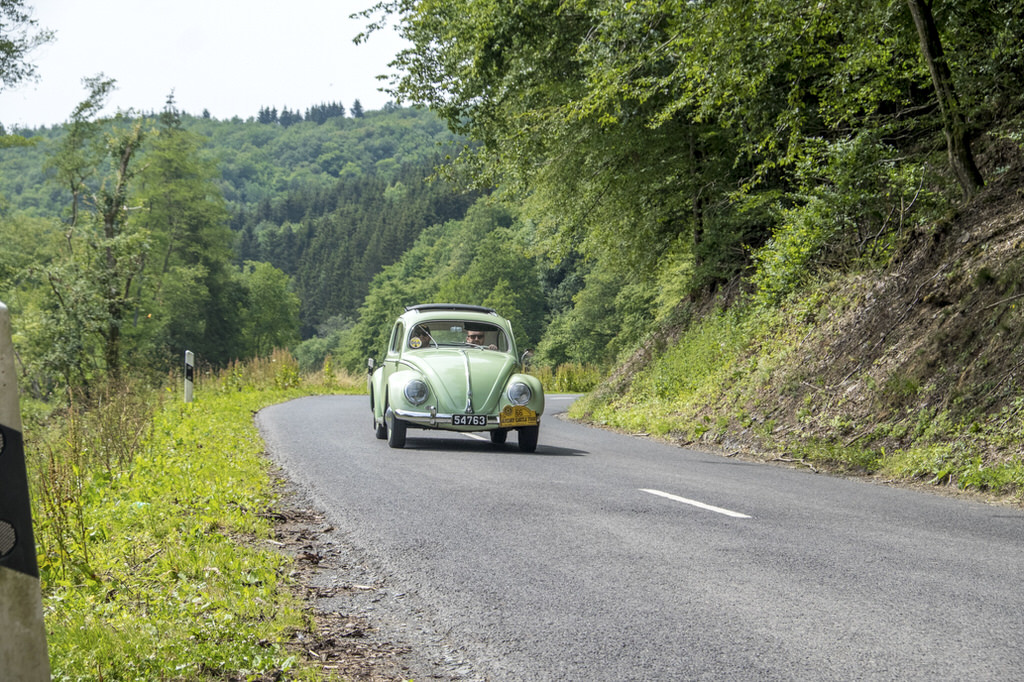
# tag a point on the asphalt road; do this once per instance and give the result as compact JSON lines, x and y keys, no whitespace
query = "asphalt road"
{"x":609,"y":557}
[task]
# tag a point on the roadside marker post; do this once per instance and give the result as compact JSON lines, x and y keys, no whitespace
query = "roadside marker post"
{"x":190,"y":363}
{"x":23,"y":653}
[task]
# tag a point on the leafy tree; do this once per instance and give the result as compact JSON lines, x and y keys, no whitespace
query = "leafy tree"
{"x":19,"y":36}
{"x":28,"y":241}
{"x":61,"y":338}
{"x":608,"y":318}
{"x":143,"y":266}
{"x":78,"y":153}
{"x":600,"y":173}
{"x":271,"y":310}
{"x":285,"y":192}
{"x":79,"y":331}
{"x":123,"y":247}
{"x":189,"y":288}
{"x":499,"y":274}
{"x":92,"y":287}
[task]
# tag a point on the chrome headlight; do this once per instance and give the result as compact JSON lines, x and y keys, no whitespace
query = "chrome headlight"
{"x":416,"y":392}
{"x":519,"y":393}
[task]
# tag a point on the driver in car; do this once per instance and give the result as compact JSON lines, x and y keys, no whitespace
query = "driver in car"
{"x":476,"y":338}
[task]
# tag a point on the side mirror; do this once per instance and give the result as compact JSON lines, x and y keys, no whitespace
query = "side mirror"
{"x":527,"y":354}
{"x":369,"y":365}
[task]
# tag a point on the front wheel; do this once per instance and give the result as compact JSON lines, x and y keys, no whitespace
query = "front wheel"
{"x":528,"y":438}
{"x":396,"y":434}
{"x":499,"y":436}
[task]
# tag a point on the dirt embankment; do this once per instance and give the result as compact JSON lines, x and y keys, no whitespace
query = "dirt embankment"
{"x":938,"y":335}
{"x":927,"y":351}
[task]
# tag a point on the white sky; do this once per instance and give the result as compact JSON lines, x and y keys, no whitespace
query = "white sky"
{"x":231,"y":57}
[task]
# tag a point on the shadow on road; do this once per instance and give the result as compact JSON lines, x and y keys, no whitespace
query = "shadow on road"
{"x":466,"y":444}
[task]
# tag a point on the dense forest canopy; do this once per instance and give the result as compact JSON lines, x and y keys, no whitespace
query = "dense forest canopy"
{"x":772,"y":137}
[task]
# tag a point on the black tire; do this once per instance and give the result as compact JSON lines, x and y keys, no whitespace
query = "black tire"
{"x":499,"y":436}
{"x":380,"y":430}
{"x":396,"y":434}
{"x":528,"y":438}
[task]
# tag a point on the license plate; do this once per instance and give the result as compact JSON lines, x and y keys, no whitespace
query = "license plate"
{"x":469,"y":420}
{"x":517,"y":415}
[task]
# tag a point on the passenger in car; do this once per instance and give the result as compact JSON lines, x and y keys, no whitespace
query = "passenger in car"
{"x":420,"y":337}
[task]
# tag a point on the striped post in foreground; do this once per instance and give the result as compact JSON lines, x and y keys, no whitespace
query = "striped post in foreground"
{"x":23,"y":654}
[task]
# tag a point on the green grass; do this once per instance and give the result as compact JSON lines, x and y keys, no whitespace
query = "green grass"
{"x":155,"y":563}
{"x":568,"y":378}
{"x":733,"y":375}
{"x":962,"y":456}
{"x":708,"y":365}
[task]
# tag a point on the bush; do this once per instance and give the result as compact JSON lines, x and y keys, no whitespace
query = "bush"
{"x":853,"y":199}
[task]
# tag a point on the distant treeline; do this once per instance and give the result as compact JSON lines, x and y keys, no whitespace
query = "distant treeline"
{"x":319,"y":113}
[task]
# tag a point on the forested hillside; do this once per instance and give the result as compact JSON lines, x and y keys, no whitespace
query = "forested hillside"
{"x":129,"y":239}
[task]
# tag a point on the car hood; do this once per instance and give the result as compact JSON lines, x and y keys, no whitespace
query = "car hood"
{"x":446,"y":369}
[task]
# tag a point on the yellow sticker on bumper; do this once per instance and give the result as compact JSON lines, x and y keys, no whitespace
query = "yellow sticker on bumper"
{"x":517,"y":415}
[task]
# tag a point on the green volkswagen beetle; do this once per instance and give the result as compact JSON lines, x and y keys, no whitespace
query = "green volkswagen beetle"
{"x":454,"y":367}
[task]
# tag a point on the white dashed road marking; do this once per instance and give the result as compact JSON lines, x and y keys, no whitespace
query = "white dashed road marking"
{"x":694,"y":503}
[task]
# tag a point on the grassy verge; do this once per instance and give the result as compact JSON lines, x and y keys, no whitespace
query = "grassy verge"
{"x":776,"y":382}
{"x":149,"y":515}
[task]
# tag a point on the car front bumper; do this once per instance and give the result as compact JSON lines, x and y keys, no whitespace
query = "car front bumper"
{"x":441,"y":420}
{"x":433,"y":419}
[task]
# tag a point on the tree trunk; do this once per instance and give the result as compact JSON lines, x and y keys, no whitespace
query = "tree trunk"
{"x":958,"y":142}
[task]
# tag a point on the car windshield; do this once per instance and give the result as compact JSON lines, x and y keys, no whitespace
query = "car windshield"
{"x":458,"y":333}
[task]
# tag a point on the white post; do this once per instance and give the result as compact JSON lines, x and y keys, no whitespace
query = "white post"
{"x":23,"y":654}
{"x":189,"y":374}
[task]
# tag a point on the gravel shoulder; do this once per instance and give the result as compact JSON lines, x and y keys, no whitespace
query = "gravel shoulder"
{"x":360,"y":626}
